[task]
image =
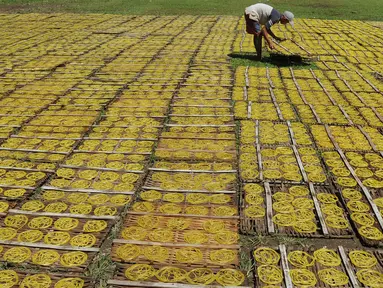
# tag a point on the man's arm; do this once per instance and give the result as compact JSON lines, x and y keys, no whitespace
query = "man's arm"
{"x":266,"y":30}
{"x":265,"y":33}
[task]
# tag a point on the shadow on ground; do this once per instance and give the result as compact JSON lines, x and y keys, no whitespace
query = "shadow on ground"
{"x":271,"y":60}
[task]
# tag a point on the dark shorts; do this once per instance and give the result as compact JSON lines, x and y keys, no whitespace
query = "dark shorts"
{"x":252,"y":27}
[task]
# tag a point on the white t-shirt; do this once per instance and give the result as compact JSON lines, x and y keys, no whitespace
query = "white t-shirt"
{"x":259,"y":12}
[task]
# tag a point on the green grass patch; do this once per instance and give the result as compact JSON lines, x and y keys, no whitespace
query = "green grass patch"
{"x":371,"y":10}
{"x":271,"y":60}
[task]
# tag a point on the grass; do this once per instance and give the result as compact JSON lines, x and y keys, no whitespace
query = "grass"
{"x":292,"y":241}
{"x":101,"y":268}
{"x":371,"y":10}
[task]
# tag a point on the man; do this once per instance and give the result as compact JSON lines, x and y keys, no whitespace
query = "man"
{"x":265,"y":15}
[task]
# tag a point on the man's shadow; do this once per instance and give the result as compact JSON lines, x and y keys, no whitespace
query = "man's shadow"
{"x":276,"y":59}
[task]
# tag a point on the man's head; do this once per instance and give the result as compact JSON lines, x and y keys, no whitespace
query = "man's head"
{"x":287,"y":17}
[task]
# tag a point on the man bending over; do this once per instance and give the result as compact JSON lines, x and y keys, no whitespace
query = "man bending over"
{"x":259,"y":19}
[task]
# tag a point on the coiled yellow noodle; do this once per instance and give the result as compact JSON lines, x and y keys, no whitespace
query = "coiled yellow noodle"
{"x":189,"y":255}
{"x":161,"y":235}
{"x":73,"y":259}
{"x":370,"y":278}
{"x":170,"y":208}
{"x":83,"y":240}
{"x":303,"y":278}
{"x":7,"y":233}
{"x":66,"y":224}
{"x":195,"y":237}
{"x":56,"y":207}
{"x":8,"y":278}
{"x":226,"y":237}
{"x":16,"y":221}
{"x":370,"y":232}
{"x":333,"y":277}
{"x":70,"y":283}
{"x":156,"y":253}
{"x":266,"y":256}
{"x":95,"y":226}
{"x":305,"y":226}
{"x":128,"y":252}
{"x":105,"y":211}
{"x":17,"y":254}
{"x":284,"y":219}
{"x":255,"y":212}
{"x":150,"y":195}
{"x":214,"y":226}
{"x":362,"y":259}
{"x":178,"y":223}
{"x":300,"y":259}
{"x":338,"y":222}
{"x":327,"y":257}
{"x":45,"y":257}
{"x":134,"y":233}
{"x":30,"y":236}
{"x":222,"y":256}
{"x":36,"y":280}
{"x":201,"y":276}
{"x":196,"y":210}
{"x":269,"y":274}
{"x":230,"y":277}
{"x":57,"y":238}
{"x":40,"y":222}
{"x":171,"y":274}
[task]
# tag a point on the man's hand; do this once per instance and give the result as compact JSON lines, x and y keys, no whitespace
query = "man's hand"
{"x":271,"y":46}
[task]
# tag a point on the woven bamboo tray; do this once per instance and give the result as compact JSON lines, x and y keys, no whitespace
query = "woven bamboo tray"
{"x":107,"y":162}
{"x":82,"y":220}
{"x":356,"y":226}
{"x":118,"y":147}
{"x":197,"y":144}
{"x":172,"y":260}
{"x":68,"y":209}
{"x":289,"y":230}
{"x":316,"y":268}
{"x":56,"y":266}
{"x":259,"y":225}
{"x":201,"y":167}
{"x":6,"y":163}
{"x":190,"y":120}
{"x":201,"y":129}
{"x":352,"y":269}
{"x":187,"y":210}
{"x":54,"y":277}
{"x":195,"y":155}
{"x":39,"y":147}
{"x":184,"y":179}
{"x":203,"y":111}
{"x":104,"y":132}
{"x":21,"y":178}
{"x":52,"y":120}
{"x":281,"y":265}
{"x":126,"y":122}
{"x":196,"y":223}
{"x":332,"y":232}
{"x":92,"y":184}
{"x":264,"y":132}
{"x":35,"y":156}
{"x":119,"y":280}
{"x":297,"y":163}
{"x":67,"y":246}
{"x":14,"y":194}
